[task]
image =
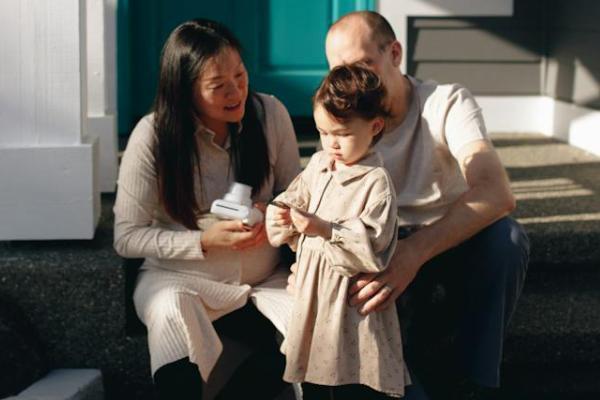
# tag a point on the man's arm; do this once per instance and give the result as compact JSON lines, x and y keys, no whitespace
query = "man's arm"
{"x":488,"y":199}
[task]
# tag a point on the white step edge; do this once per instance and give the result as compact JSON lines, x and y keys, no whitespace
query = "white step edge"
{"x":65,"y":384}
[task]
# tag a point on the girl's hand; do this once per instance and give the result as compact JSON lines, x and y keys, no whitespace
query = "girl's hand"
{"x":281,"y":217}
{"x":291,"y":280}
{"x":309,"y":224}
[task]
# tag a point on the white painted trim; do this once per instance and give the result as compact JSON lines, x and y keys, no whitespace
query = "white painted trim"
{"x":52,"y":194}
{"x":579,"y":126}
{"x":104,"y":127}
{"x":571,"y":123}
{"x":101,"y":56}
{"x":101,"y":84}
{"x":42,"y":78}
{"x":110,"y":54}
{"x":398,"y":12}
{"x":521,"y":114}
{"x":66,"y":384}
{"x":96,"y":57}
{"x":48,"y":162}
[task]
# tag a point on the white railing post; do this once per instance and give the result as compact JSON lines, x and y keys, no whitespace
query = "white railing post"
{"x":48,"y":162}
{"x":101,"y":72}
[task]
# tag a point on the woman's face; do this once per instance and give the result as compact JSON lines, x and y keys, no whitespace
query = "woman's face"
{"x":221,"y":90}
{"x":346,"y":142}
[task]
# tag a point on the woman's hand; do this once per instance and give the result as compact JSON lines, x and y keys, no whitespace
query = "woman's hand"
{"x":309,"y":224}
{"x":234,"y":234}
{"x":261,"y":234}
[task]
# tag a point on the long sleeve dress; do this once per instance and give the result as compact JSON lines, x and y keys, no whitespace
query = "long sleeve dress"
{"x":180,"y":289}
{"x":328,"y":342}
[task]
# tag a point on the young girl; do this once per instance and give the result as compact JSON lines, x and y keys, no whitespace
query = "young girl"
{"x":339,"y":215}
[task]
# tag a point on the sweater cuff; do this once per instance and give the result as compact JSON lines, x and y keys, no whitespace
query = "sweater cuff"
{"x":194,"y":246}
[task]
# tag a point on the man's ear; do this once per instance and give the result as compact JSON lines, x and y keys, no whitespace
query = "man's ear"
{"x":396,"y":51}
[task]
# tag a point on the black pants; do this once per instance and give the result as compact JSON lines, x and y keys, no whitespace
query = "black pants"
{"x":311,"y":391}
{"x":259,"y":376}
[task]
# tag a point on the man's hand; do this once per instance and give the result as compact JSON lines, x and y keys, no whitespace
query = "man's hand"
{"x":309,"y":224}
{"x":375,"y":292}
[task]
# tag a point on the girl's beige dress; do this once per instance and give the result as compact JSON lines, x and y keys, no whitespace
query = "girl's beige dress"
{"x":329,"y":342}
{"x":180,"y":289}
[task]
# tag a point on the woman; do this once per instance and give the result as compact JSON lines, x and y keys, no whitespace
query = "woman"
{"x":205,"y":132}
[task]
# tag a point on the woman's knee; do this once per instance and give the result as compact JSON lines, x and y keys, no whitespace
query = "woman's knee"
{"x":164,"y":306}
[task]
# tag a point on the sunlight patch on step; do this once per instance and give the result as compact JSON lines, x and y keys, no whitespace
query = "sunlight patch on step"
{"x":548,"y":189}
{"x":560,"y":218}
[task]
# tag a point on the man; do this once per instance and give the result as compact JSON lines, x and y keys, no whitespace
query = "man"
{"x":453,"y":200}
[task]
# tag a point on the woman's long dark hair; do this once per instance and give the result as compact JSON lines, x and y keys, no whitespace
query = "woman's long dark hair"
{"x":185,"y":53}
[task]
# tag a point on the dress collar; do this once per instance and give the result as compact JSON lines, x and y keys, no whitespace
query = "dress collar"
{"x":343,"y":174}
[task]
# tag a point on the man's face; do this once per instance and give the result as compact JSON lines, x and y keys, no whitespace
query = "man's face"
{"x":351,"y":44}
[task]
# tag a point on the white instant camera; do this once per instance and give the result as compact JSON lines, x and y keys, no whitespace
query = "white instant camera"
{"x":237,"y":204}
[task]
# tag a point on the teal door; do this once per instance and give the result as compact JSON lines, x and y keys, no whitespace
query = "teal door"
{"x":283,"y":45}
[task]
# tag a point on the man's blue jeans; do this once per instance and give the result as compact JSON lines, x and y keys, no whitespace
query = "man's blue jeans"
{"x":456,"y":311}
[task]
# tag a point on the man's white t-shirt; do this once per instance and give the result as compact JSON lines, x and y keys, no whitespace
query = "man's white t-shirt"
{"x":421,"y":154}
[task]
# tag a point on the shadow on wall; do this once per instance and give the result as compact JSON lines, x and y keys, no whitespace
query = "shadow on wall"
{"x":548,"y":47}
{"x":573,"y":60}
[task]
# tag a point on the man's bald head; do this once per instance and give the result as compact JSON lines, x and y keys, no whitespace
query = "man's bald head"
{"x":369,"y":23}
{"x":367,"y":37}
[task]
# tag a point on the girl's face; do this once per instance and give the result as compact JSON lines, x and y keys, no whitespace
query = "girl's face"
{"x":346,"y":142}
{"x":221,"y":90}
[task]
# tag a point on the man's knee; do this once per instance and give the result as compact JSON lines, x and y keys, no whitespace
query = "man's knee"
{"x":503,"y":249}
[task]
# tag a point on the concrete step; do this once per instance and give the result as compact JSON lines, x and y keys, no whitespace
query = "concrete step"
{"x":558,"y":194}
{"x":565,"y":382}
{"x":557,"y":320}
{"x":66,"y":384}
{"x":74,"y":295}
{"x":73,"y":291}
{"x":552,"y":350}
